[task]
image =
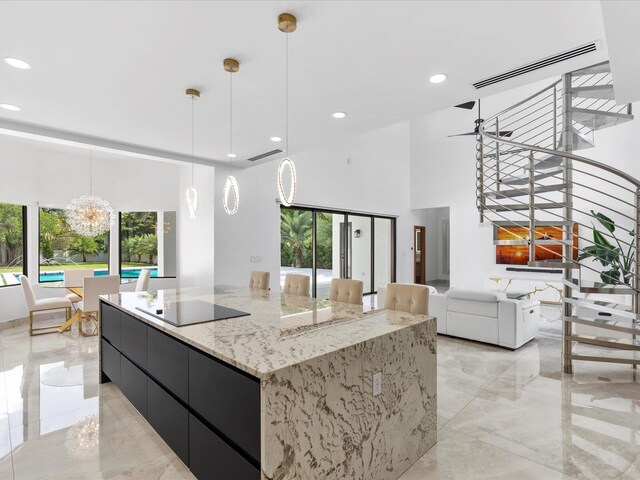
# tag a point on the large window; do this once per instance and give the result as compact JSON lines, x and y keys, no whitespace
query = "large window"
{"x":13,"y":237}
{"x":332,"y":244}
{"x":62,"y":249}
{"x":148,"y":240}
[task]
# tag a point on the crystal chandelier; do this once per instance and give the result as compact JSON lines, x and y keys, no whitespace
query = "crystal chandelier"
{"x":89,"y":215}
{"x":287,"y":23}
{"x":231,"y":65}
{"x":192,"y":193}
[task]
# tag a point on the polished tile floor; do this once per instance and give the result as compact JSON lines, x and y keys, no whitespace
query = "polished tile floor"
{"x":501,"y":415}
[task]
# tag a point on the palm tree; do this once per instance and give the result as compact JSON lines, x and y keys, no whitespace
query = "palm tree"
{"x":295,"y":230}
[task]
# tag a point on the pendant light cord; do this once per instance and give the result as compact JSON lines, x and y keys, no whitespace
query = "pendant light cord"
{"x":286,"y":94}
{"x":231,"y":117}
{"x":192,"y":154}
{"x":90,"y":173}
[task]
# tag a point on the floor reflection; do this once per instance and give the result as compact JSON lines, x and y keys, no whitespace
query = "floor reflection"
{"x":501,"y":414}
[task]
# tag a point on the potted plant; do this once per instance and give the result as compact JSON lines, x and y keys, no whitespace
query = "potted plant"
{"x":617,"y":260}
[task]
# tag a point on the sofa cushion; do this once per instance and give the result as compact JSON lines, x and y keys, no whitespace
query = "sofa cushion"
{"x":473,"y":307}
{"x":487,"y":296}
{"x":474,"y":327}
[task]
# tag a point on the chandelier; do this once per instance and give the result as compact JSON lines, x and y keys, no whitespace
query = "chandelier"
{"x":192,"y":193}
{"x":231,"y":65}
{"x":287,"y":23}
{"x":89,"y":215}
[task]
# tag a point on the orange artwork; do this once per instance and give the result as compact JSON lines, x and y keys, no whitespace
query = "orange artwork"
{"x":519,"y":254}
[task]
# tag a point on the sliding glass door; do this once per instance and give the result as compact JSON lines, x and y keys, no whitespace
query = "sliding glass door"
{"x":327,"y":244}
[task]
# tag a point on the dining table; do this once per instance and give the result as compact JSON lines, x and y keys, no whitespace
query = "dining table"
{"x":79,"y":291}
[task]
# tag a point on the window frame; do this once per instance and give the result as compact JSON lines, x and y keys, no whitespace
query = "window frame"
{"x":38,"y":244}
{"x":25,"y":252}
{"x":120,"y":238}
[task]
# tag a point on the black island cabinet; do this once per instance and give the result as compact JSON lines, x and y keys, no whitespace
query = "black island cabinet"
{"x":207,"y":411}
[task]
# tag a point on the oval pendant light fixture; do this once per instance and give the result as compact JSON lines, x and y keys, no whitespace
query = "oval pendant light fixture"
{"x":287,"y":24}
{"x":192,"y":193}
{"x":231,"y":65}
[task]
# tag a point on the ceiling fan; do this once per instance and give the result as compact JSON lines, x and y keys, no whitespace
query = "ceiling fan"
{"x":478,"y":121}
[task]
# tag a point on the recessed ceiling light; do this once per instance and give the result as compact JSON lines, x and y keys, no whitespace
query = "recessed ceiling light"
{"x":8,"y":106}
{"x":17,"y":63}
{"x":438,"y":78}
{"x":276,"y":139}
{"x":338,"y":115}
{"x":231,"y":155}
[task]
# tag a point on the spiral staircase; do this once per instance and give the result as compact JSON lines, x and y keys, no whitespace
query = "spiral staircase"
{"x":533,"y":179}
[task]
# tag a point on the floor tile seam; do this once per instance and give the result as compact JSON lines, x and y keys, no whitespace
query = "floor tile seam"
{"x":508,"y":451}
{"x":469,"y":402}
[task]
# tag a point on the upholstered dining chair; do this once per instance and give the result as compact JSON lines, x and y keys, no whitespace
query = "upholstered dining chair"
{"x":43,"y":305}
{"x":346,"y":290}
{"x":296,"y":285}
{"x":409,"y":298}
{"x":259,"y":280}
{"x":74,"y":278}
{"x":142,"y":284}
{"x":88,"y":308}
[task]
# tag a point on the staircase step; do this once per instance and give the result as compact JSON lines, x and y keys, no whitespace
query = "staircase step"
{"x":548,"y":161}
{"x":599,"y":119}
{"x":601,"y":92}
{"x":621,"y":343}
{"x":602,"y":67}
{"x":599,"y":287}
{"x":620,"y":310}
{"x":594,"y":358}
{"x":613,"y":326}
{"x":577,"y":141}
{"x":553,"y":264}
{"x":523,"y":206}
{"x":524,"y":179}
{"x":510,"y":193}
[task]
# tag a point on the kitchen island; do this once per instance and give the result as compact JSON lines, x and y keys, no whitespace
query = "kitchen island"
{"x":287,"y":391}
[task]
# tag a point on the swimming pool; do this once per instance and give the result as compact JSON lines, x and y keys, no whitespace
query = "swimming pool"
{"x":58,"y":276}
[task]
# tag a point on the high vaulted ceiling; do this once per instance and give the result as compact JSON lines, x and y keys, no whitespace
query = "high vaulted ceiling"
{"x":118,"y":70}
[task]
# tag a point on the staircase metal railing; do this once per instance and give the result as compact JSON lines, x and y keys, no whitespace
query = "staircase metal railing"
{"x":532,"y":178}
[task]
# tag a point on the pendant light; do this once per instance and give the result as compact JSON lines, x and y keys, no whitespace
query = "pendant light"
{"x":287,"y":24}
{"x":231,"y":65}
{"x":89,"y":215}
{"x":192,"y":193}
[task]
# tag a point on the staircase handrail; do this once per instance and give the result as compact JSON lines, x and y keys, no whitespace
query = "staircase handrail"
{"x":629,"y":178}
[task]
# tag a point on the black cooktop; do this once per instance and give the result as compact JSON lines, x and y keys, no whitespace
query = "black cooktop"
{"x":191,"y":312}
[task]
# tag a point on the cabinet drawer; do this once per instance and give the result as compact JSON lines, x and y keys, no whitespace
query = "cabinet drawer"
{"x":168,"y":362}
{"x":133,"y":339}
{"x":210,"y":458}
{"x":110,"y":362}
{"x":110,"y":320}
{"x":227,"y":399}
{"x":169,"y":419}
{"x":133,"y":384}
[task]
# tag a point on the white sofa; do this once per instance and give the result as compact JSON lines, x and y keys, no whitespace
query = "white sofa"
{"x":486,"y":316}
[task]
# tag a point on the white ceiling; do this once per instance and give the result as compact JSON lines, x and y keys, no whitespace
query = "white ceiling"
{"x":623,"y":36}
{"x":118,"y":70}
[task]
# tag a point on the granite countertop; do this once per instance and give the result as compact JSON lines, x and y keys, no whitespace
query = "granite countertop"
{"x":281,"y":331}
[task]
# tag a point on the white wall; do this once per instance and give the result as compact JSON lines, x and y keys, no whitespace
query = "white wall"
{"x":48,"y":175}
{"x":368,"y":173}
{"x":196,"y":235}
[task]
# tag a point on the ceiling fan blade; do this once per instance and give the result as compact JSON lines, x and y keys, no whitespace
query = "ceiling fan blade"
{"x":461,"y":134}
{"x":505,"y":133}
{"x":467,"y":105}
